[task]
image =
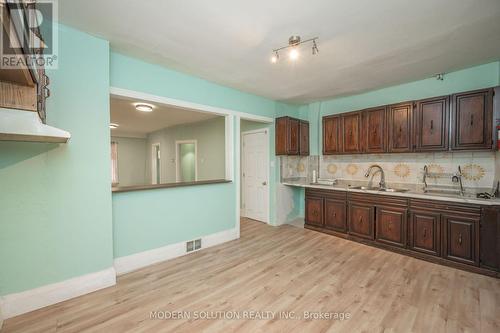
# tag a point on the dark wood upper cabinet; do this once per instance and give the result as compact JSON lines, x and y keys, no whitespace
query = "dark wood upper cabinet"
{"x":304,"y":138}
{"x":472,"y":117}
{"x":400,"y":128}
{"x":331,"y":135}
{"x":431,"y":123}
{"x":288,"y":137}
{"x":351,"y":132}
{"x":374,"y":124}
{"x":462,"y":121}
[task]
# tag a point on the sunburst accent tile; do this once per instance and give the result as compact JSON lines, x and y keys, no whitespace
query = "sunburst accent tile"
{"x":332,"y":168}
{"x":435,"y":168}
{"x":402,"y":170}
{"x":473,"y":172}
{"x":352,"y":169}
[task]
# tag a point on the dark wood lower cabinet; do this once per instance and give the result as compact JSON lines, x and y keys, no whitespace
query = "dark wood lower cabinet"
{"x":391,"y":226}
{"x":335,"y":215}
{"x":425,"y":232}
{"x":464,"y":236}
{"x":460,"y":243}
{"x":361,"y":220}
{"x":314,"y":211}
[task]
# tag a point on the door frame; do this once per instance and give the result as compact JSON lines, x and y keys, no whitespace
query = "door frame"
{"x":154,"y":171}
{"x":177,"y":159}
{"x":268,"y":173}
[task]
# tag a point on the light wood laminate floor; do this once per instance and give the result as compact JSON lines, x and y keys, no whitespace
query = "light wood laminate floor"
{"x":283,"y":269}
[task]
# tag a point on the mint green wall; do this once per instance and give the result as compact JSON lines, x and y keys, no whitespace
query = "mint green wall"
{"x":55,"y":202}
{"x":134,"y":74}
{"x":150,"y":219}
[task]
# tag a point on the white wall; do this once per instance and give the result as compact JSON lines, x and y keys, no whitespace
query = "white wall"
{"x":131,"y":161}
{"x":210,"y":136}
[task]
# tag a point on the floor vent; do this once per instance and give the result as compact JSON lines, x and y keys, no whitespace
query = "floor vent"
{"x":193,"y":245}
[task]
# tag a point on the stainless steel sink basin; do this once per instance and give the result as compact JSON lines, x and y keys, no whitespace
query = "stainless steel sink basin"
{"x":393,"y":190}
{"x":378,"y":189}
{"x":364,"y":188}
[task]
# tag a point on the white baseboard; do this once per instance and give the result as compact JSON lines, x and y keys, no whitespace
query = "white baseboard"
{"x":15,"y":304}
{"x":142,"y":259}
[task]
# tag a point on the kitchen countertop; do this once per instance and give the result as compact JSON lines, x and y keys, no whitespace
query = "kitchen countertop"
{"x":408,"y":194}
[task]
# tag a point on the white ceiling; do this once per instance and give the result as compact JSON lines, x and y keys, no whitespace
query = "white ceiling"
{"x":133,"y":123}
{"x":364,"y":44}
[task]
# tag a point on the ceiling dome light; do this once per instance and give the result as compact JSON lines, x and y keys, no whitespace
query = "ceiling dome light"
{"x":143,"y":107}
{"x":113,"y":126}
{"x":294,"y":54}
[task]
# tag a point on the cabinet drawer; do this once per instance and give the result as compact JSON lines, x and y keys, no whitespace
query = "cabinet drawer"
{"x":335,"y":215}
{"x":361,"y":218}
{"x":425,"y":232}
{"x":461,"y":239}
{"x":391,"y":226}
{"x":314,"y":211}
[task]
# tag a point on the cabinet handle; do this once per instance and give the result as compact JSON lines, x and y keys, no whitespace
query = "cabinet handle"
{"x":400,"y":129}
{"x":471,"y":120}
{"x":334,"y":214}
{"x":360,"y":220}
{"x":460,"y":239}
{"x":425,"y":233}
{"x":432,"y":126}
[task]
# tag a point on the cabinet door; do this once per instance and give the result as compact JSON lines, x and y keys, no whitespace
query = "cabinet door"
{"x":431,"y":124}
{"x":293,"y":136}
{"x":351,"y":132}
{"x":331,"y":135}
{"x":361,"y":218}
{"x":400,"y":128}
{"x":281,"y":135}
{"x":425,"y":232}
{"x":472,"y":114}
{"x":390,"y":226}
{"x":375,"y":129}
{"x":335,"y":215}
{"x":304,"y":138}
{"x":461,"y":239}
{"x":314,"y":211}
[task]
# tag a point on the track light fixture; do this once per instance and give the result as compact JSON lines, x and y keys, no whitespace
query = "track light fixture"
{"x":293,"y":44}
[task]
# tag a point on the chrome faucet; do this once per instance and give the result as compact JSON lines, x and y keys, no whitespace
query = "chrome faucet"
{"x":382,"y":174}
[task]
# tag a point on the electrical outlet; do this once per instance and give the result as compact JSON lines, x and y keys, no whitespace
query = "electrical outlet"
{"x":197,"y":244}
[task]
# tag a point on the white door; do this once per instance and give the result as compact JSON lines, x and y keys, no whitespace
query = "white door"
{"x":255,"y":175}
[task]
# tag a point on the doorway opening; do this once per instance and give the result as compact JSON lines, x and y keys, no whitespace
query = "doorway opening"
{"x":187,"y":160}
{"x":255,"y":172}
{"x":155,"y":164}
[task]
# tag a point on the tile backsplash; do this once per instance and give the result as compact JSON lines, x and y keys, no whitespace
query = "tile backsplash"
{"x":478,"y":168}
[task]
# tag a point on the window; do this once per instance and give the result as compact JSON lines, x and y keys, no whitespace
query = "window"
{"x":114,"y":163}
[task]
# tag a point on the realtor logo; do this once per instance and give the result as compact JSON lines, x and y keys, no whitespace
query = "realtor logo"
{"x":28,"y":37}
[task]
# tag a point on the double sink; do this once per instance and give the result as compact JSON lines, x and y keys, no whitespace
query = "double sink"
{"x":379,"y":189}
